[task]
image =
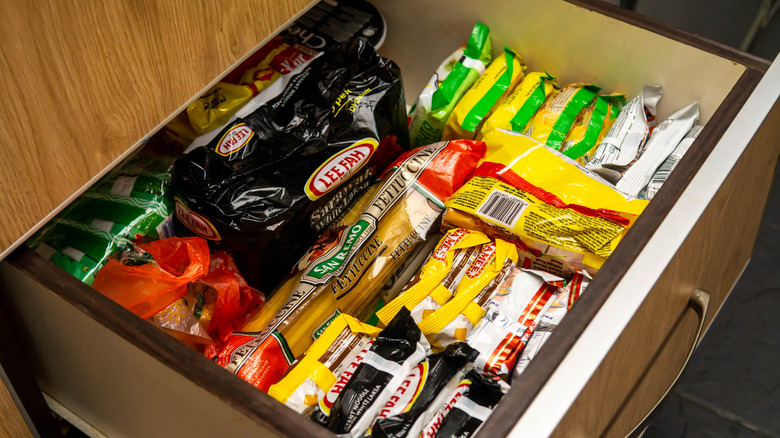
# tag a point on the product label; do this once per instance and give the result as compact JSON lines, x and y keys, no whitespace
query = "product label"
{"x":196,"y":223}
{"x":404,"y":397}
{"x":339,"y":167}
{"x":449,"y":241}
{"x":483,"y":259}
{"x":234,"y":140}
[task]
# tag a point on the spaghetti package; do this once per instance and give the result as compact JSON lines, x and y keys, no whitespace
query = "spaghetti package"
{"x":447,"y":86}
{"x":512,"y":315}
{"x":467,"y":407}
{"x":516,"y":111}
{"x":550,"y":319}
{"x":591,"y":126}
{"x":455,"y":319}
{"x":501,"y":76}
{"x":661,"y":144}
{"x":552,"y":122}
{"x":625,"y":141}
{"x":271,"y":182}
{"x":402,"y":415}
{"x":389,"y":360}
{"x":436,"y":282}
{"x":524,"y":190}
{"x":345,"y":271}
{"x":660,"y":175}
{"x":332,"y":358}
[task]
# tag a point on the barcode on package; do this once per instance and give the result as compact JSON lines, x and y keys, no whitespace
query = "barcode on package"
{"x":502,"y":208}
{"x":663,"y":172}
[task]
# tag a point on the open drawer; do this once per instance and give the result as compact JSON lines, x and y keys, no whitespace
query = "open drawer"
{"x":609,"y":361}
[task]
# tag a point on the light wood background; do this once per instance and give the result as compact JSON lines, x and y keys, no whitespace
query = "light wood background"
{"x":85,"y":80}
{"x":11,"y":423}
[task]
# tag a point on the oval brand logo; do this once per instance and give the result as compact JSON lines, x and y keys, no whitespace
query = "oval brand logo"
{"x":234,"y":140}
{"x":195,"y":222}
{"x":339,"y":167}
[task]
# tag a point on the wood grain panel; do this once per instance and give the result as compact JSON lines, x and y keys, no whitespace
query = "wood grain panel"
{"x":712,"y":258}
{"x":85,"y":80}
{"x":11,"y":423}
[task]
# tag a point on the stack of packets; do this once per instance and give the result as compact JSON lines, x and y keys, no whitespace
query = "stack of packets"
{"x":469,"y":97}
{"x":129,"y":205}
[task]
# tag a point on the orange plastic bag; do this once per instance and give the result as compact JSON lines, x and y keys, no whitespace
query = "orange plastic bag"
{"x":151,"y":287}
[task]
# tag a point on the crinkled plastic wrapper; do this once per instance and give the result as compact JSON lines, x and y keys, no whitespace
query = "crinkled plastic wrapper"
{"x":271,"y":182}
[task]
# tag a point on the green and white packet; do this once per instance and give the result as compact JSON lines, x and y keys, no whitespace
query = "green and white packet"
{"x":149,"y":217}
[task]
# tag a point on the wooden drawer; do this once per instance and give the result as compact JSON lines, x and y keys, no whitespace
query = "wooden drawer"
{"x":611,"y":358}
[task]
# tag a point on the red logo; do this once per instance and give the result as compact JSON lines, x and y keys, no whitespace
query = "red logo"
{"x":483,"y":259}
{"x":195,"y":222}
{"x":234,"y":140}
{"x":449,"y":241}
{"x":339,"y":168}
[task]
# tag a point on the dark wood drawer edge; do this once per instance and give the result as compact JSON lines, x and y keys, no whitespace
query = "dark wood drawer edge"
{"x":655,"y":26}
{"x":524,"y":390}
{"x":227,"y":387}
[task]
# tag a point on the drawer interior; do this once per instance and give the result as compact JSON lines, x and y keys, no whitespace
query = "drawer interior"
{"x":577,"y":42}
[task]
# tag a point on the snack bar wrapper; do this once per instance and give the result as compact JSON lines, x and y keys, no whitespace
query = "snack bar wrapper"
{"x":346,"y":270}
{"x":550,"y":319}
{"x":661,"y":144}
{"x":501,"y":76}
{"x":447,"y":86}
{"x":552,"y":122}
{"x":526,"y":190}
{"x":511,"y":317}
{"x":591,"y":126}
{"x":660,"y":175}
{"x":332,"y":357}
{"x":389,"y":360}
{"x":516,"y":111}
{"x":455,"y":319}
{"x":438,"y":278}
{"x":468,"y":406}
{"x":402,"y":414}
{"x":278,"y":177}
{"x":625,"y":141}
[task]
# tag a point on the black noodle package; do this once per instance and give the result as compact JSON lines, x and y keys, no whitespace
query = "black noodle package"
{"x":270,"y":183}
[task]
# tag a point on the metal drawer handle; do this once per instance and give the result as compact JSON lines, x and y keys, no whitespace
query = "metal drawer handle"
{"x":700,"y":300}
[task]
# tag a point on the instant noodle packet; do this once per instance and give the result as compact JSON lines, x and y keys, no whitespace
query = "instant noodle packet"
{"x":401,"y":415}
{"x":501,"y":76}
{"x":525,"y":190}
{"x":455,"y":319}
{"x":431,"y":113}
{"x":330,"y":358}
{"x":661,"y":144}
{"x":625,"y":141}
{"x":438,"y":277}
{"x":516,"y":111}
{"x":391,"y":357}
{"x":660,"y":175}
{"x":552,"y":316}
{"x":591,"y":126}
{"x":345,"y":271}
{"x":553,"y":121}
{"x":512,"y":315}
{"x":73,"y":261}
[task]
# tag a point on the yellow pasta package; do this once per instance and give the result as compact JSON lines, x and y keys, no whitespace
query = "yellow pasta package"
{"x":501,"y":76}
{"x":520,"y":106}
{"x":552,"y":122}
{"x":524,"y":190}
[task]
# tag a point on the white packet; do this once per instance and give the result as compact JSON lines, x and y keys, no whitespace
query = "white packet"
{"x":662,"y":142}
{"x":668,"y":166}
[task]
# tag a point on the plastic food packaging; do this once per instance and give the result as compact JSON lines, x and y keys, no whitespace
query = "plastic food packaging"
{"x":391,"y":357}
{"x":661,"y":144}
{"x":403,"y":412}
{"x":345,"y":270}
{"x":446,"y":88}
{"x":455,"y":319}
{"x":524,"y":190}
{"x":516,"y":111}
{"x":591,"y":126}
{"x":467,"y":407}
{"x":660,"y":175}
{"x":281,"y":175}
{"x":550,"y":319}
{"x":332,"y":358}
{"x":625,"y":141}
{"x":511,"y":317}
{"x":439,"y":277}
{"x":553,"y":121}
{"x":501,"y":76}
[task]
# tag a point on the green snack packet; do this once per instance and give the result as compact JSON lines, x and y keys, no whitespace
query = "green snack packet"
{"x":591,"y":126}
{"x":64,"y":233}
{"x":147,"y":217}
{"x":552,"y":123}
{"x":433,"y":109}
{"x":73,"y":261}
